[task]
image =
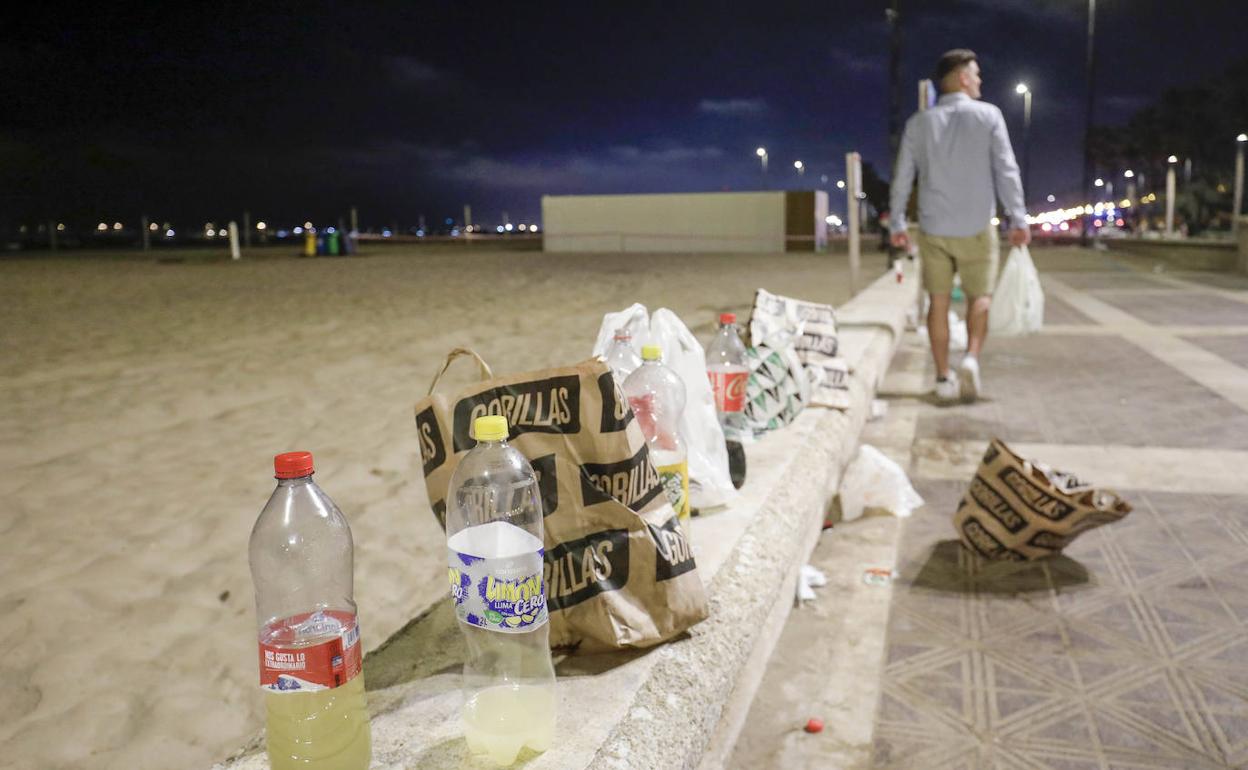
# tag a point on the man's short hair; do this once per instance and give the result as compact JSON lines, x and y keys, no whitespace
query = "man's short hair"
{"x":952,"y":60}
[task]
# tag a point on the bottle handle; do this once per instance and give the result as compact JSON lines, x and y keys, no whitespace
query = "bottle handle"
{"x":483,"y":368}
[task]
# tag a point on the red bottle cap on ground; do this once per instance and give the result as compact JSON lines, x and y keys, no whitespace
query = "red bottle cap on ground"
{"x":727,"y":318}
{"x":293,"y":465}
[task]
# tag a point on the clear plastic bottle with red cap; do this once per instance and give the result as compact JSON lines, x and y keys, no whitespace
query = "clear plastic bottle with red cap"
{"x":621,"y":356}
{"x":729,"y":371}
{"x":311,"y":671}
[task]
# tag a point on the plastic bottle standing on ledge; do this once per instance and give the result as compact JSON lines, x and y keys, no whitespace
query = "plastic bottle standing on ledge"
{"x":310,"y":653}
{"x":495,"y":556}
{"x":729,"y":372}
{"x":621,"y":356}
{"x":657,"y":396}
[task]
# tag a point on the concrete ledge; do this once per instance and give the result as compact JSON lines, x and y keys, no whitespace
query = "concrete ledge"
{"x":679,"y":705}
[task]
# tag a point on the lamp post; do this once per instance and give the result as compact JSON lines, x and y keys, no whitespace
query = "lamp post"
{"x":1170,"y":164}
{"x":1238,"y":205}
{"x":761,"y":152}
{"x":801,"y":167}
{"x":1025,"y":92}
{"x":1129,"y":175}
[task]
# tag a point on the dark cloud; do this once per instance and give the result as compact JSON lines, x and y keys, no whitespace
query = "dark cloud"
{"x":733,"y":107}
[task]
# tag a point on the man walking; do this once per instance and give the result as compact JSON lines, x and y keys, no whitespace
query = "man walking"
{"x":961,"y":151}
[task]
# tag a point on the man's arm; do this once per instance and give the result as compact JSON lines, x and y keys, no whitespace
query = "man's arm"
{"x":1008,"y":183}
{"x":903,"y":180}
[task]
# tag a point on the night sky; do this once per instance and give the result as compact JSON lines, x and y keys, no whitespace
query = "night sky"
{"x":406,"y":109}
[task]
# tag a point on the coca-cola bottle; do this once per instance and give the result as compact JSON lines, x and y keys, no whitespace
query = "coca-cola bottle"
{"x":729,"y":371}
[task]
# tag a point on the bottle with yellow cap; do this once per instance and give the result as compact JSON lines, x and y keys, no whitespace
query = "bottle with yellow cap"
{"x":657,"y":396}
{"x":494,"y":557}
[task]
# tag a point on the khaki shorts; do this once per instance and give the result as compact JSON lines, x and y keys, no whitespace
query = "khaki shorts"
{"x":974,"y":257}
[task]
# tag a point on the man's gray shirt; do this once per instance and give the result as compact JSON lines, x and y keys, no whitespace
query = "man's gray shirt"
{"x":961,"y":151}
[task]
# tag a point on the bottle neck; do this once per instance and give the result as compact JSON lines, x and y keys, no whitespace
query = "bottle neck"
{"x":295,"y":482}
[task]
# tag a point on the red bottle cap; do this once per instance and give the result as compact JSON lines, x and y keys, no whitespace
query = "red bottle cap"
{"x":293,"y":465}
{"x":727,"y":318}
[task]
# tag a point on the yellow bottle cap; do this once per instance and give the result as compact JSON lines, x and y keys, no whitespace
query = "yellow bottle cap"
{"x":492,"y":427}
{"x":651,"y":353}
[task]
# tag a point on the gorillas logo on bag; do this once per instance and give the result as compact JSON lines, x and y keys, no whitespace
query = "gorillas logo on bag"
{"x":673,"y":557}
{"x":577,"y":570}
{"x":634,"y":482}
{"x":547,"y":483}
{"x":432,"y":450}
{"x":543,"y":406}
{"x":615,"y":412}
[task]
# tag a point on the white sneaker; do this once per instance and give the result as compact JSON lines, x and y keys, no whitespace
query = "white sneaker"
{"x":968,"y":378}
{"x":947,"y":390}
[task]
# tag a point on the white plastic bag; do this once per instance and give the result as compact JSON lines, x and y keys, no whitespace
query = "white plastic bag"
{"x":874,"y":481}
{"x":710,"y":485}
{"x":1018,"y":303}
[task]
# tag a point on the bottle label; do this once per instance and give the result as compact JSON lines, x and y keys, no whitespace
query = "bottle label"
{"x":289,"y":668}
{"x":675,"y":479}
{"x":506,"y":594}
{"x":729,"y":389}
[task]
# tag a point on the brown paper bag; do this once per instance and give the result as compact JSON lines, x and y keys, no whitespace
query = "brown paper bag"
{"x":1015,"y":510}
{"x":618,"y":568}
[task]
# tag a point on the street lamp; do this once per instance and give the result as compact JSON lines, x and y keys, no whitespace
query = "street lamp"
{"x":1025,"y":92}
{"x":761,"y":152}
{"x":801,"y":167}
{"x":1238,"y":205}
{"x":1170,"y":163}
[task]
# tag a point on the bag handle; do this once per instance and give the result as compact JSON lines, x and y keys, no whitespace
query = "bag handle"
{"x":483,"y":368}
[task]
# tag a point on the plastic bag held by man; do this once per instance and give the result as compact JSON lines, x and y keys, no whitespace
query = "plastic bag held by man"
{"x":1018,"y":305}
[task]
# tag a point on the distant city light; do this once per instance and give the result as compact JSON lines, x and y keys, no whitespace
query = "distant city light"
{"x":507,"y":227}
{"x":116,"y":225}
{"x":532,"y":228}
{"x":298,"y":230}
{"x":329,"y":229}
{"x":834,"y":220}
{"x":1172,"y":159}
{"x":996,"y":221}
{"x":1052,"y":199}
{"x":101,"y":227}
{"x":454,"y":232}
{"x":1065,"y":226}
{"x":1128,"y":174}
{"x":797,"y":164}
{"x":1125,"y":203}
{"x":1242,"y":138}
{"x":1021,"y":88}
{"x":761,"y":152}
{"x":386,"y":233}
{"x":210,"y":233}
{"x":1119,"y":222}
{"x":500,"y":228}
{"x":60,"y":226}
{"x":1099,"y":182}
{"x":153,"y":227}
{"x":261,"y":225}
{"x":523,"y":227}
{"x":420,"y":233}
{"x":307,"y":225}
{"x":222,"y":233}
{"x":1048,"y":228}
{"x":840,"y":184}
{"x":169,"y":233}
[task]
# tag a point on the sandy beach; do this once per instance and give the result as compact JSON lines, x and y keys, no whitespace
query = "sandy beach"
{"x":141,"y":403}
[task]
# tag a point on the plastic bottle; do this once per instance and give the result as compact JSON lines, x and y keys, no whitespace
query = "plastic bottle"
{"x":310,"y":651}
{"x":657,"y":397}
{"x":494,"y":552}
{"x":621,"y":356}
{"x":728,"y":369}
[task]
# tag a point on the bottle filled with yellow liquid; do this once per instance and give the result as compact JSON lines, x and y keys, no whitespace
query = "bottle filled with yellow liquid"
{"x":494,"y":556}
{"x":309,"y":642}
